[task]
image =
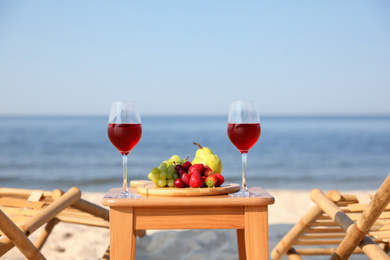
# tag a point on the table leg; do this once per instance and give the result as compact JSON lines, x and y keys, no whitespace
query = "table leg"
{"x":256,"y":232}
{"x":241,"y":244}
{"x":122,"y":234}
{"x":134,"y":244}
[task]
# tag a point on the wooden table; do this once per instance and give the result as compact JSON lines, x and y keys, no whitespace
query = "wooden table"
{"x":249,"y":216}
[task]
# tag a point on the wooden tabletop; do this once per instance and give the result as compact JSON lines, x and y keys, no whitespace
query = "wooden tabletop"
{"x":196,"y":201}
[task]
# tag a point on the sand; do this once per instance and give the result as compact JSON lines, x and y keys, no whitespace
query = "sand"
{"x":81,"y":242}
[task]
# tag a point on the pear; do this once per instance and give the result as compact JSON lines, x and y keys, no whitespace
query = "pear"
{"x":205,"y":156}
{"x":202,"y":151}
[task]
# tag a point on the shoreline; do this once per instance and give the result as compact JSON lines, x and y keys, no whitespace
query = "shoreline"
{"x":69,"y":241}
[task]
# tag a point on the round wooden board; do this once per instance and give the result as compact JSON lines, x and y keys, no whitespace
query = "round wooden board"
{"x":151,"y":189}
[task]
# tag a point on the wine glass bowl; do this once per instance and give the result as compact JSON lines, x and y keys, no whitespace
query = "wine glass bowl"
{"x":124,"y":131}
{"x":243,"y":131}
{"x":244,"y":135}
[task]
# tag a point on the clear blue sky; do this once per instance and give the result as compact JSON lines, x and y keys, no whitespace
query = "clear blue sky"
{"x":194,"y":57}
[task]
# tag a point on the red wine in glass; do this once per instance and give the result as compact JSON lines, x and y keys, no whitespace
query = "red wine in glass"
{"x":124,"y":131}
{"x":243,"y":131}
{"x":124,"y":136}
{"x":244,"y":135}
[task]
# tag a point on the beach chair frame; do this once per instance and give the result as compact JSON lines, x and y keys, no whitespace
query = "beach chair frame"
{"x":17,"y":235}
{"x":31,"y":209}
{"x":335,"y":209}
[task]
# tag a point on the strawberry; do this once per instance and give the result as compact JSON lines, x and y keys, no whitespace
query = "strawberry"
{"x":207,"y":171}
{"x":211,"y":181}
{"x":196,"y":168}
{"x":186,"y":179}
{"x":203,"y":179}
{"x":196,"y":180}
{"x":220,"y":178}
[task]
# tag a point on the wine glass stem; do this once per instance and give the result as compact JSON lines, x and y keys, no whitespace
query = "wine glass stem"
{"x":244,"y":187}
{"x":124,"y":189}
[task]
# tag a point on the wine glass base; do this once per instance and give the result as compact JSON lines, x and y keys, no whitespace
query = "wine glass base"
{"x":244,"y":194}
{"x":125,"y":195}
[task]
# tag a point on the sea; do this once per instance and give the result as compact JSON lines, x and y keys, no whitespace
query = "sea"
{"x":293,"y":152}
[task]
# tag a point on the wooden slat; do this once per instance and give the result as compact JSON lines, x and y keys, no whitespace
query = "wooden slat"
{"x":19,"y":219}
{"x":16,"y":202}
{"x":324,"y":242}
{"x":318,"y":242}
{"x":18,"y":211}
{"x":77,"y":213}
{"x":343,"y":204}
{"x":381,"y":234}
{"x":324,"y":217}
{"x":384,"y":215}
{"x":382,"y":222}
{"x":322,"y":251}
{"x":84,"y":221}
{"x":25,"y":193}
{"x":354,"y":216}
{"x":359,"y":207}
{"x":324,"y":224}
{"x":380,"y":228}
{"x":321,"y":235}
{"x":323,"y":230}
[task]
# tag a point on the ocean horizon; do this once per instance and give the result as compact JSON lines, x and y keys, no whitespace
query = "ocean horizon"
{"x":293,"y":152}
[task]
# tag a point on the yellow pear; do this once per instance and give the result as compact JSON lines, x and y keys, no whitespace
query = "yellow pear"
{"x":202,"y":150}
{"x":205,"y":156}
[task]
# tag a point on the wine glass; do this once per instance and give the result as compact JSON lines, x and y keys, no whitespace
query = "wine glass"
{"x":124,"y":132}
{"x":243,"y":131}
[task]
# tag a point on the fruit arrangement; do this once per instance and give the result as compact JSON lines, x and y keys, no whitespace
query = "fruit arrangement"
{"x":204,"y":171}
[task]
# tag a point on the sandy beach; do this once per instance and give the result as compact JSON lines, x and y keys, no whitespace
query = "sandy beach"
{"x":82,"y":242}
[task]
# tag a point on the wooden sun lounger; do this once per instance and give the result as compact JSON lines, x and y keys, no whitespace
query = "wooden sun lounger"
{"x":19,"y":218}
{"x":31,"y":209}
{"x":337,"y":224}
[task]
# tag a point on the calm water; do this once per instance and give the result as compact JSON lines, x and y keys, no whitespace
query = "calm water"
{"x":293,"y":152}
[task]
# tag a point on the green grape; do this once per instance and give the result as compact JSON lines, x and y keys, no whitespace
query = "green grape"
{"x":171,"y":168}
{"x":183,"y":161}
{"x":168,"y":162}
{"x":155,"y":177}
{"x":175,"y":176}
{"x":155,"y":170}
{"x":163,"y":175}
{"x":175,"y":158}
{"x":163,"y":166}
{"x":169,"y":175}
{"x":161,"y":182}
{"x":150,"y":176}
{"x":171,"y":183}
{"x":155,"y":181}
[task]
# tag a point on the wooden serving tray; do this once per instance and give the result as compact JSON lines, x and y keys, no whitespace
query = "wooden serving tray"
{"x":151,"y":189}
